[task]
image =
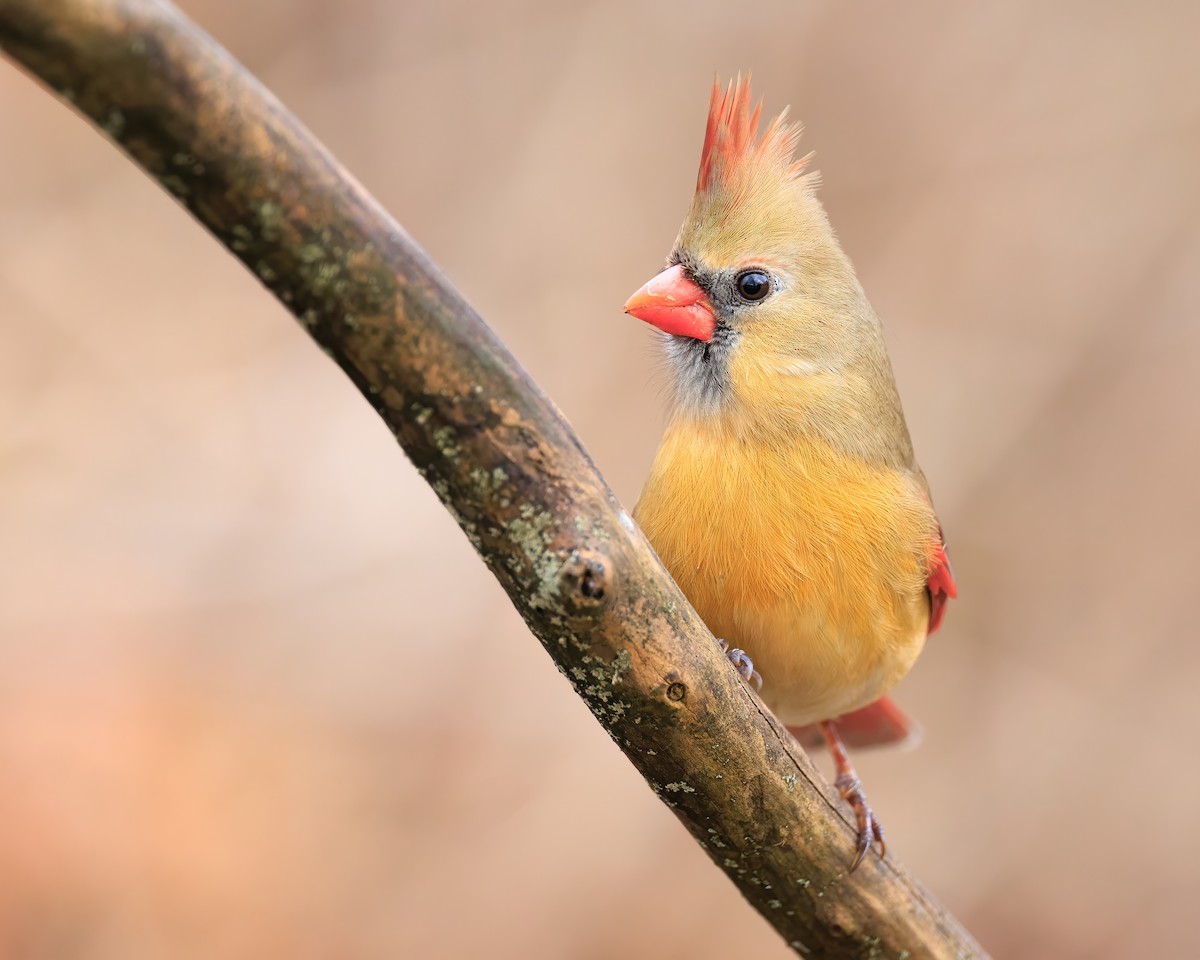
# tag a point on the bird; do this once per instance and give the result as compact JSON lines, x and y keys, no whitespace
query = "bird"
{"x":784,"y":498}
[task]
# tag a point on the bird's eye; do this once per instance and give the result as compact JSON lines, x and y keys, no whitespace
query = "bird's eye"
{"x":753,"y":285}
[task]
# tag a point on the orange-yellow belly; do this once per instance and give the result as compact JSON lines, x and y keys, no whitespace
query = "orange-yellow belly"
{"x":810,"y":561}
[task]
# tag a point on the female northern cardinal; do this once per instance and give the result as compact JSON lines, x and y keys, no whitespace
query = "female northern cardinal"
{"x":784,"y":498}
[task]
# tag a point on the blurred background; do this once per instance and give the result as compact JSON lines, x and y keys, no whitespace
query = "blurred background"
{"x":258,"y":697}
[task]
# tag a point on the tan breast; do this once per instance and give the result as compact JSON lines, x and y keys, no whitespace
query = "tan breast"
{"x":811,"y":561}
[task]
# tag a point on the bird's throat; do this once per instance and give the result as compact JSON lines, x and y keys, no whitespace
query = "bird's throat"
{"x":700,"y":369}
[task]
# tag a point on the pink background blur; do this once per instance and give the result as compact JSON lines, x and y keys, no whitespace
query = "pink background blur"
{"x":259,"y":698}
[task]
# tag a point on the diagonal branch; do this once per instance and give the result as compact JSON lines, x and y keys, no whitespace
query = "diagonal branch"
{"x":499,"y":455}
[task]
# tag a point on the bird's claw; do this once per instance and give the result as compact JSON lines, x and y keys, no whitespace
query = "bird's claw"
{"x":870,"y":830}
{"x":742,"y":664}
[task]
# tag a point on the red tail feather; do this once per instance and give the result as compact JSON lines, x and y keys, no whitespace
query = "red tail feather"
{"x":878,"y":724}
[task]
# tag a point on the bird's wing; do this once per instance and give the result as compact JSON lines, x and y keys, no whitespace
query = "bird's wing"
{"x":939,"y":580}
{"x":940,"y":584}
{"x":882,"y":723}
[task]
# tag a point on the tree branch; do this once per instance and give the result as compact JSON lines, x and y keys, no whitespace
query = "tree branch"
{"x":499,"y":455}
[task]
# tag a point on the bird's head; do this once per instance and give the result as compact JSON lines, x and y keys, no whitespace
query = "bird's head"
{"x":756,"y":279}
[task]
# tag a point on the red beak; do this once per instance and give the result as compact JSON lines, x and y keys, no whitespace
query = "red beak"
{"x":674,"y":304}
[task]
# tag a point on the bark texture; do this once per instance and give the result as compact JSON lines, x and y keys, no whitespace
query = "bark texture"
{"x":499,"y":455}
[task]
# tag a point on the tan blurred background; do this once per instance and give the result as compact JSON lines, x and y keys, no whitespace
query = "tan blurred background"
{"x":259,"y":698}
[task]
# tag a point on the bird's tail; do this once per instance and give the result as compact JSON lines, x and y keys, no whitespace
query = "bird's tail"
{"x":879,"y":724}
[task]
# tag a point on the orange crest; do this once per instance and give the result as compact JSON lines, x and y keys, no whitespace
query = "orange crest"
{"x":730,"y":139}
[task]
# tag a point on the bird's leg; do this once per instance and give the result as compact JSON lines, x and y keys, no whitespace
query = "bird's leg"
{"x":849,"y":786}
{"x":742,"y":664}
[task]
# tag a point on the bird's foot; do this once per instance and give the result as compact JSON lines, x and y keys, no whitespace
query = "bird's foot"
{"x":870,"y":830}
{"x":742,"y":664}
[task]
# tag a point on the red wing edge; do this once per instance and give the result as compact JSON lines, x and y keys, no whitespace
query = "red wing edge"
{"x":941,"y":585}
